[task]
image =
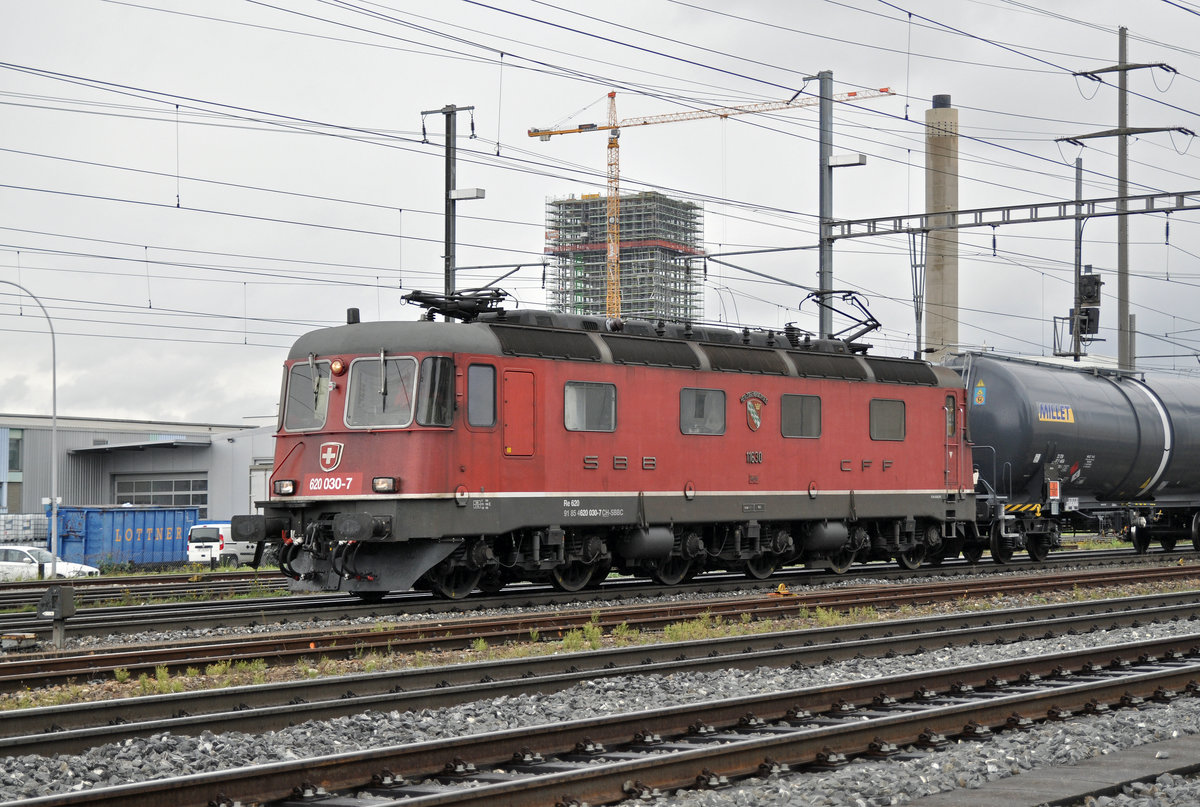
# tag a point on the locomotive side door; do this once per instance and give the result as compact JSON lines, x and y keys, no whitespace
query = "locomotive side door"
{"x":518,"y":413}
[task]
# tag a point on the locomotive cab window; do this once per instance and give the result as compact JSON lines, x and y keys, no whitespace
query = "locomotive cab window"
{"x":887,"y":419}
{"x":481,"y":395}
{"x":702,"y":411}
{"x":800,"y":415}
{"x":307,"y":398}
{"x":951,"y":416}
{"x":381,"y":393}
{"x":435,"y":392}
{"x":589,"y":407}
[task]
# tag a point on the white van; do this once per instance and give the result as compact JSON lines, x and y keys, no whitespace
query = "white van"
{"x":209,"y":542}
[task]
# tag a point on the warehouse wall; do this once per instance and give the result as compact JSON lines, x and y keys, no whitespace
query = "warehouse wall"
{"x":234,"y":463}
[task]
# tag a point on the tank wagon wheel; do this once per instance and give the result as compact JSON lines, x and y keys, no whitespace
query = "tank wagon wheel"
{"x":1140,"y":537}
{"x":370,"y":596}
{"x":1196,"y":532}
{"x":1002,"y":551}
{"x":1167,"y":543}
{"x":972,"y":553}
{"x":456,"y":583}
{"x":571,"y":576}
{"x":672,"y":571}
{"x":1038,"y":548}
{"x":760,"y":567}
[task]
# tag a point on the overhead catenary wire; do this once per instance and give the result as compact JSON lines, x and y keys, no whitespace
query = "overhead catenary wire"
{"x":781,"y":214}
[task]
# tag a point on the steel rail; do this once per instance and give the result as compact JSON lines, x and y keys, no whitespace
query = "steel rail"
{"x":101,"y":586}
{"x":153,"y":616}
{"x":46,"y":669}
{"x":734,"y":740}
{"x":68,"y":728}
{"x":339,"y":643}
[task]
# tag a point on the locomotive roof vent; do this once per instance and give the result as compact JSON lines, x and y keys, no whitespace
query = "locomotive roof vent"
{"x":352,"y":316}
{"x":796,"y":338}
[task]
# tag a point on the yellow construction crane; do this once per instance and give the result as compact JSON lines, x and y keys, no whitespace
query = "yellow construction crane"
{"x":613,"y":127}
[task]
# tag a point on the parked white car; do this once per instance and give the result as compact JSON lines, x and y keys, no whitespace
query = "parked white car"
{"x":21,"y":563}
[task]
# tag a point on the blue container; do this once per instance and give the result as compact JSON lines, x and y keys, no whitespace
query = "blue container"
{"x":140,"y":535}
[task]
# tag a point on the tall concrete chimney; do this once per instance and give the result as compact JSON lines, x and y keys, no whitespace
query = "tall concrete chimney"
{"x":941,"y":248}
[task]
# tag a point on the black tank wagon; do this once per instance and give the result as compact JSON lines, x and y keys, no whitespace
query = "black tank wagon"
{"x":1058,"y":442}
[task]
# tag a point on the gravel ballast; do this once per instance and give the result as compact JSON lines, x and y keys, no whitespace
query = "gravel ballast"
{"x":859,"y":785}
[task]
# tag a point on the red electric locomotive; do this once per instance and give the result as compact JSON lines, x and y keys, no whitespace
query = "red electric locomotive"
{"x":525,"y":445}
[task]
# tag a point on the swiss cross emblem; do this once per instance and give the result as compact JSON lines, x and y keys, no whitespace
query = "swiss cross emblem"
{"x":754,"y":402}
{"x":331,"y":456}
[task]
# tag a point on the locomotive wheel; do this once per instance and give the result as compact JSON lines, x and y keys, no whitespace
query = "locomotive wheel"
{"x":1196,"y":532}
{"x":672,"y":571}
{"x":841,"y":561}
{"x":370,"y":596}
{"x":491,"y":582}
{"x":571,"y":576}
{"x":599,"y":575}
{"x":912,"y":557}
{"x":1140,"y":537}
{"x":456,"y":583}
{"x":761,"y":567}
{"x":1001,"y":550}
{"x":1038,"y":548}
{"x":935,"y":547}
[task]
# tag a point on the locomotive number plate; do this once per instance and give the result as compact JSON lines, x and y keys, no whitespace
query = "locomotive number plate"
{"x":333,"y":483}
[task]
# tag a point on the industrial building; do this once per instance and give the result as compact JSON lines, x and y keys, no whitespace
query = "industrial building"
{"x":659,"y":238}
{"x":219,"y":469}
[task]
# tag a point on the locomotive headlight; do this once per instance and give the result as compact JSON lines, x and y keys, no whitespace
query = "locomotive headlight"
{"x":284,"y":487}
{"x":383,"y":484}
{"x":337,"y":367}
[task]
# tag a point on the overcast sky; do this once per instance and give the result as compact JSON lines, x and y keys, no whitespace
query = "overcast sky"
{"x":187,"y":187}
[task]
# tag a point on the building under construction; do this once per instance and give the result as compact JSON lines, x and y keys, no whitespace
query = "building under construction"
{"x":659,"y":237}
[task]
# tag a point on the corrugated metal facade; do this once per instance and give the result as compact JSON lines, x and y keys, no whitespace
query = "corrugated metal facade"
{"x":87,"y":478}
{"x":77,"y":482}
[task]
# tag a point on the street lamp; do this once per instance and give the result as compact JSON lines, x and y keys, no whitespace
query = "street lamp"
{"x":53,"y":432}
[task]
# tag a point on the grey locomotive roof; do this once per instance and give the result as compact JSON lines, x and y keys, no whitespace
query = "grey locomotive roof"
{"x":592,"y":339}
{"x":413,"y":337}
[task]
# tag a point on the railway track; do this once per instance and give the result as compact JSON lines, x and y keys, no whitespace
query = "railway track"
{"x":154,"y":616}
{"x":91,"y":591}
{"x":48,"y":669}
{"x":68,"y":728}
{"x":36,"y":670}
{"x":635,"y":755}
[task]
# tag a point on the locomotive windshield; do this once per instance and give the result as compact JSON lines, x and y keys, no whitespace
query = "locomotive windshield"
{"x":435,"y":396}
{"x":381,"y":397}
{"x":307,"y":396}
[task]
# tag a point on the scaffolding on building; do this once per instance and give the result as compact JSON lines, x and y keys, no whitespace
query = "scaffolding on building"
{"x":660,"y":238}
